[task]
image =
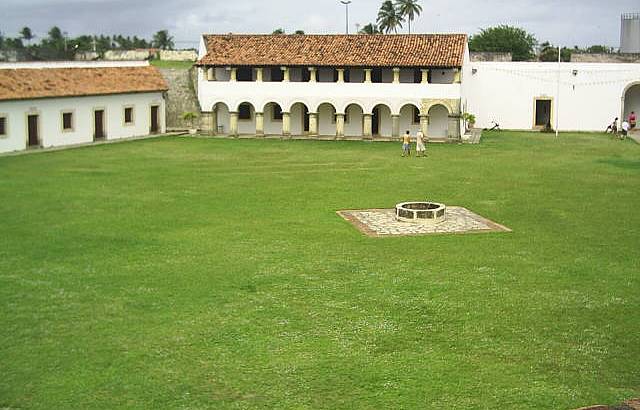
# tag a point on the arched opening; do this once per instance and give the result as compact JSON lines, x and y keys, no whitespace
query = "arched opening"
{"x":299,"y":119}
{"x":438,"y":121}
{"x":381,"y":124}
{"x":272,"y":119}
{"x":220,"y":119}
{"x":353,"y":121}
{"x":246,"y":118}
{"x":631,"y":102}
{"x":326,"y":120}
{"x":409,"y":119}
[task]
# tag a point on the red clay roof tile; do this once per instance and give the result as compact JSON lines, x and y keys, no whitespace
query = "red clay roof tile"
{"x":417,"y":50}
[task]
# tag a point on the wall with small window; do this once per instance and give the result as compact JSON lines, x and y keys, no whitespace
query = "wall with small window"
{"x":71,"y":121}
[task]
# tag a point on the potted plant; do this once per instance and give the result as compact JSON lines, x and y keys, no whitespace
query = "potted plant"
{"x":469,"y":121}
{"x":190,"y":117}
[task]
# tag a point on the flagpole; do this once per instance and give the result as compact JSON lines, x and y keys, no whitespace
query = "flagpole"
{"x":558,"y":91}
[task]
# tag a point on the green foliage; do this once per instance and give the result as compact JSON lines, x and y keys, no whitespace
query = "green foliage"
{"x":549,"y":53}
{"x":163,"y":40}
{"x":278,"y":31}
{"x":208,"y":273}
{"x":505,"y":39}
{"x":370,"y":28}
{"x":408,"y":10}
{"x":189,"y":117}
{"x":299,"y":32}
{"x":389,"y":19}
{"x":26,"y":34}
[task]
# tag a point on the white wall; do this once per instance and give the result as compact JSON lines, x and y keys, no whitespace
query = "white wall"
{"x":506,"y":93}
{"x":50,"y":111}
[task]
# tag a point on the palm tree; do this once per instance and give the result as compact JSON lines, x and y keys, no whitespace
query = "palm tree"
{"x":388,"y":18}
{"x":26,"y":34}
{"x":370,"y":29}
{"x":409,"y":10}
{"x":163,"y":40}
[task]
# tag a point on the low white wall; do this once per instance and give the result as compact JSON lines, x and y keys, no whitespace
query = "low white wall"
{"x":178,"y":55}
{"x":50,"y":119}
{"x":590,"y":95}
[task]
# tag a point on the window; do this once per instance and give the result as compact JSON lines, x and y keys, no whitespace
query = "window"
{"x":276,"y":74}
{"x":376,"y":75}
{"x":244,"y":74}
{"x":417,"y":76}
{"x":416,"y":115}
{"x":67,"y":121}
{"x":244,"y":111}
{"x":3,"y":126}
{"x":277,"y":112}
{"x":128,"y":115}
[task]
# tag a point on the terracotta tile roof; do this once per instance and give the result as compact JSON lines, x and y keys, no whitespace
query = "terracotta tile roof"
{"x":28,"y":83}
{"x":418,"y":50}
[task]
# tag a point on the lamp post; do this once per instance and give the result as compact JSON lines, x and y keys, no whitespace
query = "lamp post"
{"x":346,"y":3}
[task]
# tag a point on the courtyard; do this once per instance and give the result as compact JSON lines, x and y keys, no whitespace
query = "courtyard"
{"x":181,"y":272}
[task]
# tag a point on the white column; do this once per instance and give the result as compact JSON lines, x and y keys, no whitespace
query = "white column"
{"x":285,"y":74}
{"x":367,"y":75}
{"x":457,"y":77}
{"x":424,"y":124}
{"x":454,"y":126}
{"x":233,"y":124}
{"x":286,"y":124}
{"x":313,"y":124}
{"x":366,"y":126}
{"x":214,"y":121}
{"x":340,"y":126}
{"x":312,"y":74}
{"x":260,"y":124}
{"x":233,"y":74}
{"x":395,"y":125}
{"x":425,"y":76}
{"x":340,"y":75}
{"x":259,"y":74}
{"x":396,"y":75}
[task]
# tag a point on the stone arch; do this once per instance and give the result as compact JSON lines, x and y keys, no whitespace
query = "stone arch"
{"x":272,"y":111}
{"x":326,"y":119}
{"x":381,"y":122}
{"x":246,"y":119}
{"x":409,"y":118}
{"x":220,"y":120}
{"x":450,"y":105}
{"x":299,"y":112}
{"x":354,"y":117}
{"x":630,"y":100}
{"x":438,"y":121}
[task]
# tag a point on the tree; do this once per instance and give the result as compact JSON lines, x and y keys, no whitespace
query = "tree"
{"x":409,"y":10}
{"x":26,"y":34}
{"x":299,"y":32}
{"x":505,"y":39}
{"x":388,"y":18}
{"x":549,"y":53}
{"x":163,"y":40}
{"x":278,"y":31}
{"x":370,"y":29}
{"x":55,"y":34}
{"x":597,"y":49}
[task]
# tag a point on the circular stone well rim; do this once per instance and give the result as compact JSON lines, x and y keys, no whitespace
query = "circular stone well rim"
{"x":431,"y":212}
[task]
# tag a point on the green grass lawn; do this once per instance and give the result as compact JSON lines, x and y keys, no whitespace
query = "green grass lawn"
{"x":182,"y":65}
{"x":210,"y":273}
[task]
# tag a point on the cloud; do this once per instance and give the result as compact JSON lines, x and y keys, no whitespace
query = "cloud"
{"x":585,"y":23}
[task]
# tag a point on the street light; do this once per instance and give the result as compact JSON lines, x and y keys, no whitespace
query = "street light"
{"x":346,"y":3}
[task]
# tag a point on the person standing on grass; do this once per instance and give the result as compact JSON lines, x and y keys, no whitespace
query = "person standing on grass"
{"x":625,"y":129}
{"x":632,"y":120}
{"x":406,"y":145}
{"x":613,"y":127}
{"x":420,"y":148}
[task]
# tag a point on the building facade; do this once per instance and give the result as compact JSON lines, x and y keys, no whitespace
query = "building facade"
{"x":372,"y":87}
{"x":58,"y":104}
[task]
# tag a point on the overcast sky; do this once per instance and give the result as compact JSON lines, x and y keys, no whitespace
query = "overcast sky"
{"x":578,"y":22}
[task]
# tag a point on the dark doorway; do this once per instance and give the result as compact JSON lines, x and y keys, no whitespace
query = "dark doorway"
{"x":32,"y":123}
{"x":375,"y":121}
{"x":543,"y":113}
{"x":155,"y":125}
{"x":305,"y":119}
{"x":98,"y":125}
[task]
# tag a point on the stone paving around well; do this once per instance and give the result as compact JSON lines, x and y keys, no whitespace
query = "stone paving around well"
{"x":382,"y":222}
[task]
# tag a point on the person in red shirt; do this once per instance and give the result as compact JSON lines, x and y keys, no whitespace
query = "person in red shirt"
{"x":632,"y":120}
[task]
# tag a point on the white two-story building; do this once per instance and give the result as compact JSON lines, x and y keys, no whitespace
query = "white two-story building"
{"x":332,"y":85}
